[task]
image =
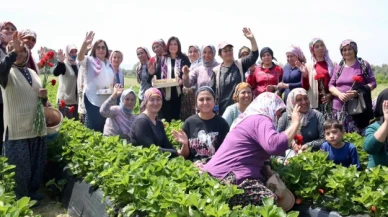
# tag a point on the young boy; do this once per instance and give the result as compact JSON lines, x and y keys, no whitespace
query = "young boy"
{"x":340,"y":152}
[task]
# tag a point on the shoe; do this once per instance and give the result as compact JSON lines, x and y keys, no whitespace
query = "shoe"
{"x":37,"y":203}
{"x":36,"y":196}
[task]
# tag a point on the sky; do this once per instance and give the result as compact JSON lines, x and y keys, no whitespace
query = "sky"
{"x":128,"y":24}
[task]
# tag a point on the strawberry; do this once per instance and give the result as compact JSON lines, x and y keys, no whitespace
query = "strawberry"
{"x":321,"y":191}
{"x":298,"y":201}
{"x":373,"y":208}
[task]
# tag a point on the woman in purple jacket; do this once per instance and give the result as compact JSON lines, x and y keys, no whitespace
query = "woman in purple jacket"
{"x":251,"y":142}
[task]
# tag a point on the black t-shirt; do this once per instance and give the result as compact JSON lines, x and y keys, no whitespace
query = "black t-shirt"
{"x":205,"y":136}
{"x":145,"y":133}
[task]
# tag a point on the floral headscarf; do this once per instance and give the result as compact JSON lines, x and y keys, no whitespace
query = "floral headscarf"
{"x":297,"y":52}
{"x":352,"y":44}
{"x":198,"y":61}
{"x":238,"y":88}
{"x":326,"y":55}
{"x":147,"y":95}
{"x":291,"y":102}
{"x":266,"y":104}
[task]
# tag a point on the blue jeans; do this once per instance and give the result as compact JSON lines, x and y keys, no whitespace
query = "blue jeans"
{"x":93,"y":120}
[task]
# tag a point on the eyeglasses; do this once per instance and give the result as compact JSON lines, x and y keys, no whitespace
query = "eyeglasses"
{"x":100,"y":48}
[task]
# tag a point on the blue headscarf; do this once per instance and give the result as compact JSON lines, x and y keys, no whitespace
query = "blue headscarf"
{"x":122,"y":97}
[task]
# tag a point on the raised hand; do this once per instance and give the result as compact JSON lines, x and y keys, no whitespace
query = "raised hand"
{"x":18,"y":45}
{"x":118,"y":90}
{"x":248,"y":34}
{"x":295,"y":116}
{"x":61,"y":56}
{"x":42,"y":53}
{"x":89,"y":38}
{"x":180,"y":136}
{"x":185,"y":70}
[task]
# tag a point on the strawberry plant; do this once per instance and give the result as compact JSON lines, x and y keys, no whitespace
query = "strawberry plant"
{"x":144,"y":181}
{"x":9,"y":206}
{"x":169,"y":127}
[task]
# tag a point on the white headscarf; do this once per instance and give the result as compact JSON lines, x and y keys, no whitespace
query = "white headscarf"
{"x":291,"y":102}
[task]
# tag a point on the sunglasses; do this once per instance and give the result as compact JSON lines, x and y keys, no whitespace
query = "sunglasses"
{"x":100,"y":48}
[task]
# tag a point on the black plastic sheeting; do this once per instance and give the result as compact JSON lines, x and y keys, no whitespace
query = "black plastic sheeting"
{"x":82,"y":200}
{"x":79,"y":198}
{"x":308,"y":211}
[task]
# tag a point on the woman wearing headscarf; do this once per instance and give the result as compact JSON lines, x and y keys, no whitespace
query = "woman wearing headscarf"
{"x":242,"y":98}
{"x":203,"y":133}
{"x":7,"y":29}
{"x":147,"y":129}
{"x":195,"y":56}
{"x":29,"y":38}
{"x":376,"y":134}
{"x":266,"y":76}
{"x":159,"y":47}
{"x":143,"y":76}
{"x":188,"y":93}
{"x":99,"y":80}
{"x":171,"y":67}
{"x":23,"y":146}
{"x":231,"y":72}
{"x":201,"y":76}
{"x":293,"y":71}
{"x":251,"y":142}
{"x":344,"y":88}
{"x":119,"y":118}
{"x":321,"y":65}
{"x":67,"y":70}
{"x":311,"y":123}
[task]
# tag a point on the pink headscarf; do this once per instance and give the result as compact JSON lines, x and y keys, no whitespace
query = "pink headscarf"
{"x":297,"y":52}
{"x":147,"y":95}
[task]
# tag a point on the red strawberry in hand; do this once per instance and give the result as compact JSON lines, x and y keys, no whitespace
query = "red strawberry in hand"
{"x":71,"y":109}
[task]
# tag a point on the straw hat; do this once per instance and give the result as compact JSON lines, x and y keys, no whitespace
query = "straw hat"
{"x":286,"y":199}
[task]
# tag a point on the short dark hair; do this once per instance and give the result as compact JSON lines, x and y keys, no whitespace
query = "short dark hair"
{"x":179,"y":53}
{"x":93,"y":53}
{"x":333,"y":123}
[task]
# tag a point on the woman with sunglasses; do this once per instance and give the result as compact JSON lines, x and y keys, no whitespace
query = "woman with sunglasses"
{"x":99,"y":79}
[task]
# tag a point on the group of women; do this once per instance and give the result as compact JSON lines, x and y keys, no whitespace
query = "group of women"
{"x":237,"y":113}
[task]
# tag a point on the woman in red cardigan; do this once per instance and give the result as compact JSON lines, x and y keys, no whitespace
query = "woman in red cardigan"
{"x":267,"y":75}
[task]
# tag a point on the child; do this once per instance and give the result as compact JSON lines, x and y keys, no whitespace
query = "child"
{"x":340,"y":152}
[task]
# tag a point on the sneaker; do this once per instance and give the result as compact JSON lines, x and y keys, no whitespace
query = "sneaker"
{"x":36,"y":196}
